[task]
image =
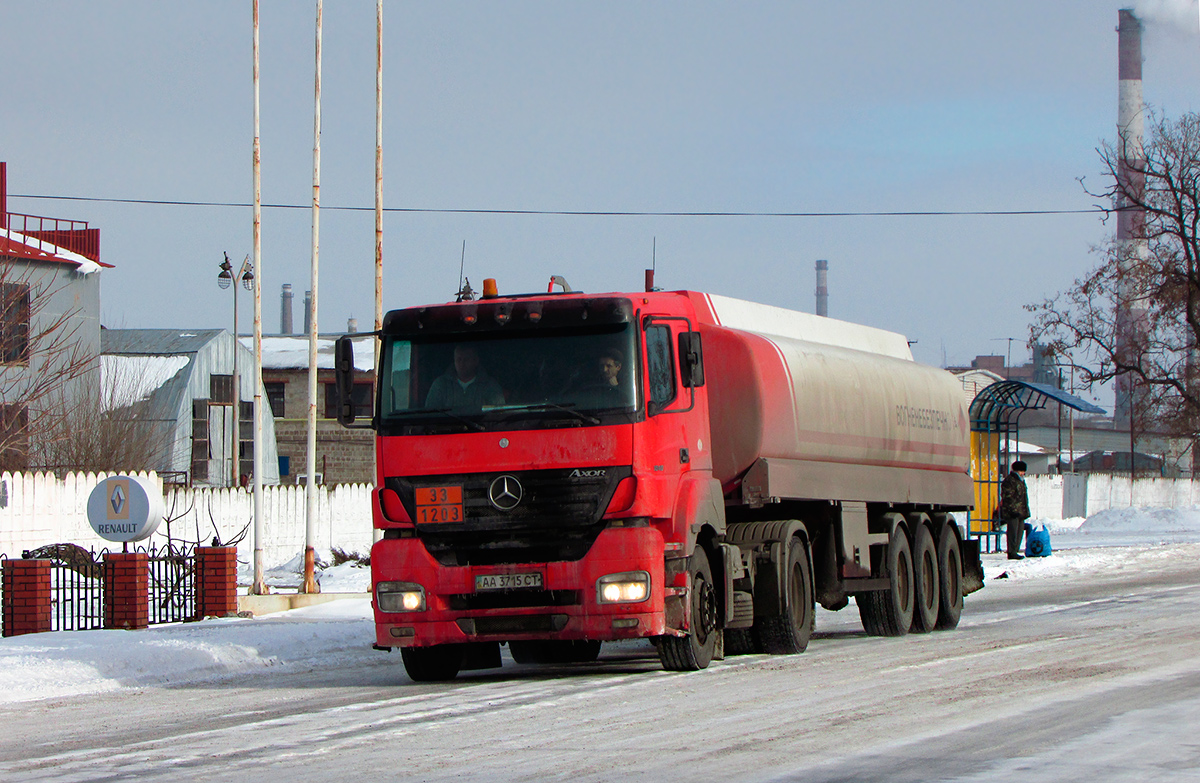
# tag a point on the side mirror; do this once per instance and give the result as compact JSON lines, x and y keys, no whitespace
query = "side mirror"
{"x":691,"y":360}
{"x":343,"y":369}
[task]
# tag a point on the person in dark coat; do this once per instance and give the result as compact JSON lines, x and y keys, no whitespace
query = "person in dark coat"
{"x":1014,"y":508}
{"x":465,"y":384}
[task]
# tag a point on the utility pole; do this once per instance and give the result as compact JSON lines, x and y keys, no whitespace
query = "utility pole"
{"x":258,"y":586}
{"x":310,"y":490}
{"x":377,"y":534}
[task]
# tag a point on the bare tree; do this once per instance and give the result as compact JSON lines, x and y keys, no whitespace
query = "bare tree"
{"x":1137,"y":314}
{"x":116,"y":428}
{"x":42,"y":357}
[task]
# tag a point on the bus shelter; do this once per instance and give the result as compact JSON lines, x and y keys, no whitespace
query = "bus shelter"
{"x":995,"y":429}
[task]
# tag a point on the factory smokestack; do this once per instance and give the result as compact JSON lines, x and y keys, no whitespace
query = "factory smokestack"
{"x":285,"y":309}
{"x":1131,"y":235}
{"x":307,"y":312}
{"x":822,"y":287}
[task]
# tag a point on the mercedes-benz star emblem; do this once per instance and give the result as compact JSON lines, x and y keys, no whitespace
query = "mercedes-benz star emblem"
{"x":505,"y":492}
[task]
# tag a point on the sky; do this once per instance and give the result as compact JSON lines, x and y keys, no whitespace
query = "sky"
{"x":647,"y":106}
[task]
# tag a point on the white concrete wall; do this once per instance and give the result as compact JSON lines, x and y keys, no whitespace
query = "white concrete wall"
{"x":1105,"y":491}
{"x":37,"y":509}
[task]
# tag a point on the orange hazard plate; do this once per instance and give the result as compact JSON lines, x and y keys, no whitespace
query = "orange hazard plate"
{"x":439,"y":504}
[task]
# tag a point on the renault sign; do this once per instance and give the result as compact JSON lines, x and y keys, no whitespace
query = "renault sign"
{"x":125,"y":508}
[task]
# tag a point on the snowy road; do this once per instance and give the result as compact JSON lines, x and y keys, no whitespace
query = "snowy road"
{"x":1058,"y":675}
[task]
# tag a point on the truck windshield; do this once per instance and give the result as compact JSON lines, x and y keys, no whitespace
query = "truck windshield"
{"x":524,"y":380}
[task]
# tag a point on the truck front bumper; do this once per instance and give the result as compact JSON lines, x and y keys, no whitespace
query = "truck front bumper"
{"x":566,"y":605}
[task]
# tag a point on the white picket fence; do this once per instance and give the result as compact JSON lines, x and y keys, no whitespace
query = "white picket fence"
{"x":37,"y":509}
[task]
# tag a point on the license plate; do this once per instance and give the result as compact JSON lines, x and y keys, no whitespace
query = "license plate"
{"x":507,"y":581}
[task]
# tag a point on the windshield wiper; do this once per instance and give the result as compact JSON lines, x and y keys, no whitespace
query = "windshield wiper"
{"x":445,"y":412}
{"x":541,"y":406}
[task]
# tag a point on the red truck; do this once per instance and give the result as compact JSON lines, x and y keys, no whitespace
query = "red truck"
{"x":562,"y":469}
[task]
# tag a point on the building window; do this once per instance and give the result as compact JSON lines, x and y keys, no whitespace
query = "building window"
{"x":364,"y":407}
{"x":14,"y":437}
{"x":220,"y":389}
{"x":275,"y":397}
{"x":14,"y":326}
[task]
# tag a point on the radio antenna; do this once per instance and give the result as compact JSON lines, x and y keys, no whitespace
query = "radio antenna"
{"x":465,"y":294}
{"x":461,"y":262}
{"x":654,"y":254}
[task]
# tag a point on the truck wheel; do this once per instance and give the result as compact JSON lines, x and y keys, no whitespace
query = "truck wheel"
{"x":950,"y":573}
{"x":889,"y":612}
{"x":694,"y":651}
{"x":554,"y":651}
{"x":790,"y":632}
{"x":432,"y":664}
{"x":926,"y":584}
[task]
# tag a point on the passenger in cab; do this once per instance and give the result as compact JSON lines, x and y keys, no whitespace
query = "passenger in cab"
{"x":465,"y":384}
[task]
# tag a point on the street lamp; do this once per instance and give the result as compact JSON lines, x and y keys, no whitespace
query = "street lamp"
{"x":225,"y":279}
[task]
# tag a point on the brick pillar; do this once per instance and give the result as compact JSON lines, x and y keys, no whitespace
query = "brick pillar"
{"x":26,"y":586}
{"x":126,"y":585}
{"x":216,"y":581}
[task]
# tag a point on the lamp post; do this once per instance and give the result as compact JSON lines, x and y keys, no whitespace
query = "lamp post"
{"x":227,"y":278}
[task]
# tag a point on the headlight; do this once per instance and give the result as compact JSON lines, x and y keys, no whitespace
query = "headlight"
{"x":400,"y":597}
{"x":630,"y":587}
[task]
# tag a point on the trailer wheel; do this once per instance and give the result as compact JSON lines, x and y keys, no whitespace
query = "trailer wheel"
{"x":432,"y":664}
{"x":889,"y":612}
{"x":926,"y":582}
{"x":950,"y":573}
{"x":694,"y":651}
{"x":554,"y":651}
{"x":789,"y":633}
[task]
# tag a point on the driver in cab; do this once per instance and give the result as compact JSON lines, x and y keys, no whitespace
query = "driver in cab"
{"x":465,"y":384}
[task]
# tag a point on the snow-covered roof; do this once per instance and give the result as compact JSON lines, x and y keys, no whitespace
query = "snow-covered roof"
{"x":17,"y":244}
{"x":125,"y":380}
{"x":155,"y":342}
{"x":1019,"y":447}
{"x":290,"y":352}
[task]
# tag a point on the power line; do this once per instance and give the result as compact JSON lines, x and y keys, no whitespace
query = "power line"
{"x":1095,"y":210}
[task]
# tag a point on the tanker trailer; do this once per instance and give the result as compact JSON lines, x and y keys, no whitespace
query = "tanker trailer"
{"x":833,"y":446}
{"x":736,"y":465}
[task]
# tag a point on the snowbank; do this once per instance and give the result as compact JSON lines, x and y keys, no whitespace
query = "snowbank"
{"x":337,"y":633}
{"x":68,"y":663}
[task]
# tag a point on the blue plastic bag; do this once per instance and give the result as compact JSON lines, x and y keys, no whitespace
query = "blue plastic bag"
{"x":1037,"y":541}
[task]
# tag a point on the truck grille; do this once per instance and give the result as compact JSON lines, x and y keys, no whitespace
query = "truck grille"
{"x":514,"y":599}
{"x":558,"y":517}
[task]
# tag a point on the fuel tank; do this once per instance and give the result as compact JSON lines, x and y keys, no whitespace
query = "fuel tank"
{"x":835,"y":410}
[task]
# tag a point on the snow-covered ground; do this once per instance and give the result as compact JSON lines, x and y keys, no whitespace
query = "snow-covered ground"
{"x":69,"y":663}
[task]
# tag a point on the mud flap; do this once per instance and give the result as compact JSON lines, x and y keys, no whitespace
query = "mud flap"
{"x":972,"y":567}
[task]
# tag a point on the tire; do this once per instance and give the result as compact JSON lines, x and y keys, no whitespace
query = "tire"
{"x":554,"y":651}
{"x":438,"y":663}
{"x":926,"y":582}
{"x":890,"y":612}
{"x":694,"y":651}
{"x":950,"y":579}
{"x":789,"y":633}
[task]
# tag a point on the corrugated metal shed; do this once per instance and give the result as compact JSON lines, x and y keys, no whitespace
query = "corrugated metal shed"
{"x":211,"y":352}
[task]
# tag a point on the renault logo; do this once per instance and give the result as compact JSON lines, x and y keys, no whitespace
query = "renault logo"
{"x":505,"y":492}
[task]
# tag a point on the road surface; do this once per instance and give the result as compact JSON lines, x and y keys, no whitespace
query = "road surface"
{"x":1080,"y":678}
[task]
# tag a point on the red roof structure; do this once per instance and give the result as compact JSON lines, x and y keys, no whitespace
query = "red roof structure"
{"x":46,"y":239}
